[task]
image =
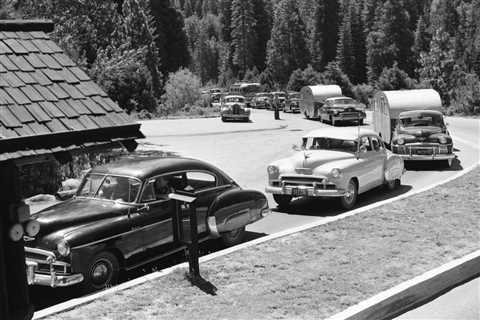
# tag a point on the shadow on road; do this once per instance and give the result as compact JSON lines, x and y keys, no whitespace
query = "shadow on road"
{"x":326,"y":207}
{"x":433,"y":165}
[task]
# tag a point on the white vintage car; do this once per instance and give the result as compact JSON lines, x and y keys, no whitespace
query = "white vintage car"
{"x":335,"y":162}
{"x":234,"y":107}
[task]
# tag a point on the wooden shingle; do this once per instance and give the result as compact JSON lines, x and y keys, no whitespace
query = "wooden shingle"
{"x":21,"y":113}
{"x":31,"y":93}
{"x":51,"y":109}
{"x":41,"y":78}
{"x":71,"y":90}
{"x":49,"y":61}
{"x":21,"y":63}
{"x":26,"y":77}
{"x":93,"y":107}
{"x":38,"y":113}
{"x":56,"y":126}
{"x":45,"y":92}
{"x":15,"y":46}
{"x":67,"y":109}
{"x":9,"y":65}
{"x":79,"y":73}
{"x":17,"y":95}
{"x":78,"y":106}
{"x":8,"y":118}
{"x":58,"y":91}
{"x":63,"y":60}
{"x":35,"y":61}
{"x":12,"y":79}
{"x":53,"y":75}
{"x":4,"y":48}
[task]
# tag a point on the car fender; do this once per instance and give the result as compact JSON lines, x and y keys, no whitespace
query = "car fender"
{"x":394,"y":167}
{"x":235,"y":209}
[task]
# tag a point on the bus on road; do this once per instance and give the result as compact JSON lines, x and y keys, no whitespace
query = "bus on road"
{"x":246,"y":89}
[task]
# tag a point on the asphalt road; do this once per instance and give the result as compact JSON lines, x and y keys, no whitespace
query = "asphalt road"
{"x":243,"y":150}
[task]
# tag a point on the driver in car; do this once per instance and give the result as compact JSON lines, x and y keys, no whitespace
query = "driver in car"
{"x":162,"y":188}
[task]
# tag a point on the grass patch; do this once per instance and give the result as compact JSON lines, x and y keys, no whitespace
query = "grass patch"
{"x":318,"y":272}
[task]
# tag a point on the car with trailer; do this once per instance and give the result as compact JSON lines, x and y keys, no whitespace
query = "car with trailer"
{"x":123,"y":216}
{"x":342,"y":109}
{"x":313,"y":99}
{"x":262,"y":100}
{"x":293,"y":102}
{"x":412,"y":124}
{"x":234,"y":107}
{"x":334,"y":162}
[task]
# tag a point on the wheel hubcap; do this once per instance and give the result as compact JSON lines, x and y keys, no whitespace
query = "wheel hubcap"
{"x":350,"y":193}
{"x":100,"y":272}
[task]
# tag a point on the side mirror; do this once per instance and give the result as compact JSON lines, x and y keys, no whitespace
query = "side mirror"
{"x":296,"y":147}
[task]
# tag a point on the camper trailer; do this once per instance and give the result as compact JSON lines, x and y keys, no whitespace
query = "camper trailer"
{"x":412,"y":124}
{"x":313,"y":98}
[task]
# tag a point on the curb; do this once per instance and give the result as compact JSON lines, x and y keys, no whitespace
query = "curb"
{"x":219,"y":132}
{"x":415,"y":292}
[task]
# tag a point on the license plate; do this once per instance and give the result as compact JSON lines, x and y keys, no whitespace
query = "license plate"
{"x":297,"y":192}
{"x":424,"y":151}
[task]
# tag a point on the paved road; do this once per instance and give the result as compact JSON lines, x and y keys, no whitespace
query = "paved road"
{"x":245,"y":156}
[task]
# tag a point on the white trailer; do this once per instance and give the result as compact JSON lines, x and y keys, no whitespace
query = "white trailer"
{"x":313,"y":97}
{"x":387,"y":106}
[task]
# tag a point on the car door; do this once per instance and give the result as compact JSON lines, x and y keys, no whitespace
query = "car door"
{"x":152,"y":220}
{"x":378,"y":157}
{"x":365,"y":167}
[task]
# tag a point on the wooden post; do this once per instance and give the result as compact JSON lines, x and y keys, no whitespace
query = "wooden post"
{"x":16,"y":305}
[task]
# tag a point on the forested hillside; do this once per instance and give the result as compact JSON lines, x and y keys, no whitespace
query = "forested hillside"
{"x":131,"y":46}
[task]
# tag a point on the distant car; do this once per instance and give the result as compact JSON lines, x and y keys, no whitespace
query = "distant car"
{"x":233,"y":107}
{"x":279,"y":99}
{"x":335,"y":162}
{"x":293,"y":102}
{"x":262,"y":100}
{"x":342,"y":109}
{"x":122,"y":217}
{"x":215,"y":99}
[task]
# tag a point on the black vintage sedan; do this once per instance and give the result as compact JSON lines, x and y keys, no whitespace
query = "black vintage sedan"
{"x":122,"y":217}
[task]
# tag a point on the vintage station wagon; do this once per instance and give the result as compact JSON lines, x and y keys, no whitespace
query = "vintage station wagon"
{"x":335,"y":162}
{"x":122,"y":217}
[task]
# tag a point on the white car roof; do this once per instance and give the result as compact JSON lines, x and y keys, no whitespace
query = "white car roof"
{"x":234,"y":96}
{"x":344,"y":133}
{"x":339,"y":98}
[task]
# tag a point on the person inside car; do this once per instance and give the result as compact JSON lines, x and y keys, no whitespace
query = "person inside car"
{"x":162,"y":188}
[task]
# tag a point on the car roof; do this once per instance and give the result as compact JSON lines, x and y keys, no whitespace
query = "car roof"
{"x":234,"y":96}
{"x":338,"y":98}
{"x":144,"y":167}
{"x":344,"y":133}
{"x":415,"y":112}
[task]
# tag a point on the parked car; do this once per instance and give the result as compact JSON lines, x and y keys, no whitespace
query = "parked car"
{"x":335,"y":162}
{"x":422,"y":135}
{"x":342,"y":109}
{"x":233,"y":107}
{"x":262,"y":100}
{"x":215,"y":99}
{"x":122,"y":217}
{"x":278,"y":99}
{"x":293,"y":102}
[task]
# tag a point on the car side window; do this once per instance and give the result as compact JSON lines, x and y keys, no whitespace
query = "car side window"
{"x":365,"y":144}
{"x":148,"y":192}
{"x":197,"y":181}
{"x":376,"y":145}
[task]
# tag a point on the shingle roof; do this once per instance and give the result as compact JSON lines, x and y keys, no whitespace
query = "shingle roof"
{"x":43,"y":92}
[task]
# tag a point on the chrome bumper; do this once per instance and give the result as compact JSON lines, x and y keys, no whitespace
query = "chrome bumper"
{"x":51,"y":279}
{"x":305,"y":191}
{"x":430,"y":157}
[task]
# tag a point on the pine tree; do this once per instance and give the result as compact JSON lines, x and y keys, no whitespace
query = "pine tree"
{"x":263,"y":26}
{"x":317,"y":37}
{"x":359,"y":74}
{"x":345,"y":58}
{"x":243,"y":35}
{"x":287,"y":49}
{"x":330,"y":30}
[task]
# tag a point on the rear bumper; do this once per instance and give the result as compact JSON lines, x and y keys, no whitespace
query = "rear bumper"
{"x":305,"y":191}
{"x":417,"y":157}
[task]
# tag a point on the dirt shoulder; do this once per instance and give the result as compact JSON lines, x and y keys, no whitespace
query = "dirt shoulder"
{"x":318,"y":272}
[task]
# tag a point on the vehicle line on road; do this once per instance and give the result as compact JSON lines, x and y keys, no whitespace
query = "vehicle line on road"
{"x":155,"y":275}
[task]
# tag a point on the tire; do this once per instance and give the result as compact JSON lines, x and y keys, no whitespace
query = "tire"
{"x":448,"y":163}
{"x":102,"y":272}
{"x":224,"y":120}
{"x":393,"y":184}
{"x":306,"y":114}
{"x":282,"y":200}
{"x":349,"y":201}
{"x":233,"y":237}
{"x":332,"y":121}
{"x":360,"y":122}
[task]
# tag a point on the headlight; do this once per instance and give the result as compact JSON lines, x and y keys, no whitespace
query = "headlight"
{"x":442,"y":140}
{"x":32,"y":228}
{"x":400,"y":141}
{"x":63,"y":248}
{"x":336,"y":173}
{"x":272,"y":171}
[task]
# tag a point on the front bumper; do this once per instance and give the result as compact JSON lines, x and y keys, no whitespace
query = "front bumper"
{"x":305,"y":191}
{"x":51,"y":278}
{"x":341,"y":117}
{"x":432,"y":152}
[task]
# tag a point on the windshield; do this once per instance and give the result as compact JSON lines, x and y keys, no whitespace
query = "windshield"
{"x":109,"y":187}
{"x":421,"y":120}
{"x":342,"y":101}
{"x":234,"y":99}
{"x":294,"y":95}
{"x":321,"y":143}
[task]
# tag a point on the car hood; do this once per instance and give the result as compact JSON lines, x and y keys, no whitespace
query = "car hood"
{"x":75,"y":212}
{"x":311,"y":159}
{"x":423,"y":131}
